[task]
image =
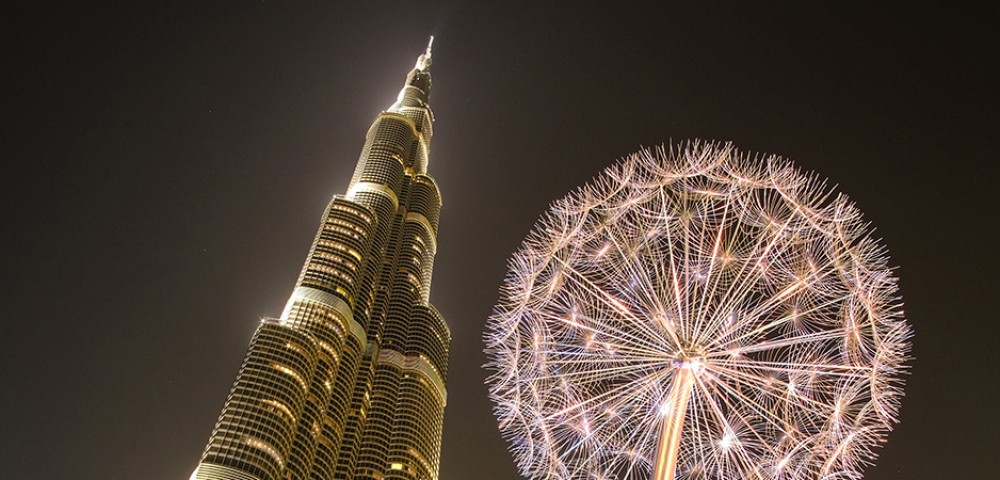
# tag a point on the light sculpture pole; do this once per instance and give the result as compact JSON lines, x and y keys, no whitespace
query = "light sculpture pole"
{"x":665,"y":462}
{"x":696,"y":312}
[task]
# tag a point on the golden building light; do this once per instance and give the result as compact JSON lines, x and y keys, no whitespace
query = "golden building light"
{"x":349,"y":382}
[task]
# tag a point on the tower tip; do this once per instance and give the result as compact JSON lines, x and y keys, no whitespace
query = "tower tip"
{"x":424,"y":61}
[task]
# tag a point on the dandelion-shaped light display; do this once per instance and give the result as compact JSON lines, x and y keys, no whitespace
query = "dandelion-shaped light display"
{"x":695,"y":312}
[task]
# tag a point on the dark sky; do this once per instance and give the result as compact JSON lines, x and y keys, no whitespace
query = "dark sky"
{"x":165,"y":166}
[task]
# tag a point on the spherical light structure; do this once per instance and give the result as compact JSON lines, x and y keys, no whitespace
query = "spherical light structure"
{"x":695,"y":312}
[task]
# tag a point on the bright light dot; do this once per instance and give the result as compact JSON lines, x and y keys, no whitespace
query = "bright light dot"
{"x":694,"y":365}
{"x":727,"y":441}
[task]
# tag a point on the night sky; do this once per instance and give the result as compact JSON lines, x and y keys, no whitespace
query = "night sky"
{"x":166,"y":165}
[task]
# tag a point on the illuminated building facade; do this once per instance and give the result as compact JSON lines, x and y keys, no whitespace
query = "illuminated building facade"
{"x":349,"y":382}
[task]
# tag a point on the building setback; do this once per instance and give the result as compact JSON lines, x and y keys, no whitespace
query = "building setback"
{"x":349,"y":382}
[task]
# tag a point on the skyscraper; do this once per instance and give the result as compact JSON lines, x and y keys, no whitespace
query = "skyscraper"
{"x":349,"y":382}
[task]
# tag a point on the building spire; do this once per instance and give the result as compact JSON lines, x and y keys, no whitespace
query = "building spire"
{"x":350,"y":381}
{"x":424,"y":61}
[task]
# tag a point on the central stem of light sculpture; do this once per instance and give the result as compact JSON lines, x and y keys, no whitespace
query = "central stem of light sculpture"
{"x":672,"y":411}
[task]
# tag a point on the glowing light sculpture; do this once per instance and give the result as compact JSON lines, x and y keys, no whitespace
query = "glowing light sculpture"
{"x":698,"y":312}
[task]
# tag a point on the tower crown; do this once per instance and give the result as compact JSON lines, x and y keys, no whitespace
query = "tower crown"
{"x":417,"y":90}
{"x":424,"y":60}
